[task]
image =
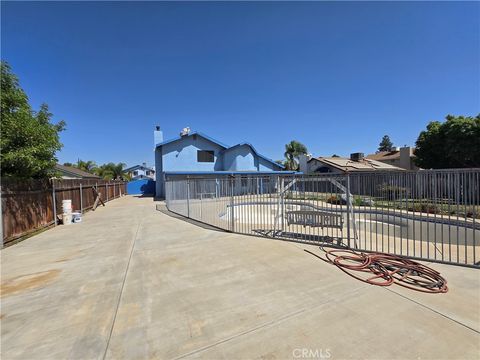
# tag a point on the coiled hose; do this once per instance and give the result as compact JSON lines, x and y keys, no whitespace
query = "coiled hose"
{"x":387,"y":269}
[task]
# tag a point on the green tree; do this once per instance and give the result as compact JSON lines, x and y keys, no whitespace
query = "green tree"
{"x":88,"y":166}
{"x":28,"y":139}
{"x":454,"y":143}
{"x":68,"y":164}
{"x":112,"y":171}
{"x":292,"y":151}
{"x":386,"y":144}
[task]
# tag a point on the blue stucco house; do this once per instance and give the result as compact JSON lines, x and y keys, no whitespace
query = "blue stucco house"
{"x":138,"y":172}
{"x":194,"y":153}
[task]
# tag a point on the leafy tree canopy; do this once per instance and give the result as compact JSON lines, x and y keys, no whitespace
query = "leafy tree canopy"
{"x":292,"y":151}
{"x":28,"y":140}
{"x":88,"y":166}
{"x":386,"y":144}
{"x":454,"y":143}
{"x":109,"y":171}
{"x":112,"y":171}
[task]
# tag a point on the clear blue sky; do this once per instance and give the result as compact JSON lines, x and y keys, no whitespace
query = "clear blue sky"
{"x":335,"y":76}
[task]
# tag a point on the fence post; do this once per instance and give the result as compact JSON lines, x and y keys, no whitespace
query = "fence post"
{"x":282,"y":203}
{"x":81,"y":199}
{"x":188,"y":197}
{"x":232,"y":214}
{"x":1,"y":219}
{"x":54,"y":204}
{"x":106,"y":189}
{"x":348,"y":209}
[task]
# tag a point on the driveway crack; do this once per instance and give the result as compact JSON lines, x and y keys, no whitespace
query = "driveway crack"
{"x":123,"y":286}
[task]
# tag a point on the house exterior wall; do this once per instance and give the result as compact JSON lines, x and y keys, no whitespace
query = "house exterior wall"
{"x":139,"y":172}
{"x":244,"y":184}
{"x":159,"y":175}
{"x":264,"y":165}
{"x":404,"y":159}
{"x":181,"y":156}
{"x":240,"y":158}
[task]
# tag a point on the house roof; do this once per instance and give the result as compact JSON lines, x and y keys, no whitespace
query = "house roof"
{"x":136,"y":167}
{"x":348,"y":165}
{"x":389,"y":155}
{"x":225,"y":147}
{"x":256,"y":152}
{"x":73,"y":171}
{"x":385,"y":155}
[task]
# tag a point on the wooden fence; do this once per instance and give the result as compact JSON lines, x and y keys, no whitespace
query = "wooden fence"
{"x":29,"y":205}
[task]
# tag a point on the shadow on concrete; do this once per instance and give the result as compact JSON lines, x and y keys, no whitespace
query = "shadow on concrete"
{"x":163,"y":209}
{"x":270,"y":234}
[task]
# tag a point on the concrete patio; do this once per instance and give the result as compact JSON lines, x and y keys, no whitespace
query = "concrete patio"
{"x":130,"y":282}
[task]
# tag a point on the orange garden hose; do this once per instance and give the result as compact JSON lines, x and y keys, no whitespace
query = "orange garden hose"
{"x":386,"y":269}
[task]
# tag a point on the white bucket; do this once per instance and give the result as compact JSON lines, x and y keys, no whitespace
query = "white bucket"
{"x":67,"y":219}
{"x":76,"y":217}
{"x":67,"y":206}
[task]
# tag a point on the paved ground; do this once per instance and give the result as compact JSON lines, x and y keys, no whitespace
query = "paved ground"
{"x":132,"y":282}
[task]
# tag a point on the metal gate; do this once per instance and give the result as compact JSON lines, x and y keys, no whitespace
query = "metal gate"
{"x":427,"y":215}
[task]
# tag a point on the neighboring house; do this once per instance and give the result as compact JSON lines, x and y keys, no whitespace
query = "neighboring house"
{"x":138,"y":172}
{"x":403,"y":158}
{"x":339,"y":165}
{"x":70,"y":172}
{"x":196,"y":154}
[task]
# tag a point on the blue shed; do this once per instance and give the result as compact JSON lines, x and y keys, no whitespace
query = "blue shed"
{"x":141,"y":187}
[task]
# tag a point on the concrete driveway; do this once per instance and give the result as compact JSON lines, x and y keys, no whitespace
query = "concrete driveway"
{"x":131,"y":283}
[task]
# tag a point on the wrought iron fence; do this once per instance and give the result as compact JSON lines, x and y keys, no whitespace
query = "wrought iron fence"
{"x":428,"y":215}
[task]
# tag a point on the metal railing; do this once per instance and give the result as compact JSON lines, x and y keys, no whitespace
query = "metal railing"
{"x":427,"y":215}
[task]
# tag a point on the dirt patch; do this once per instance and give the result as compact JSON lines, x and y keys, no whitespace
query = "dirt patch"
{"x":169,"y":260}
{"x":27,"y":282}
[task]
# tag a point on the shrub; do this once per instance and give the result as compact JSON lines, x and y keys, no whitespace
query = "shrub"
{"x":336,"y":200}
{"x":392,"y":192}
